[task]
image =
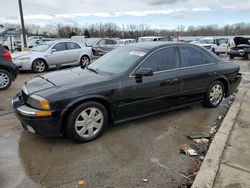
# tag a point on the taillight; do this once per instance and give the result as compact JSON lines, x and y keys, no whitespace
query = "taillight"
{"x":7,"y":56}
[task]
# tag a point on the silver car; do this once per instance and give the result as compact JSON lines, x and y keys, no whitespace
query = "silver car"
{"x":53,"y":54}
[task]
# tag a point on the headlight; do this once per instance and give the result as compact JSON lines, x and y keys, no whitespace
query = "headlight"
{"x":38,"y":102}
{"x":23,"y":58}
{"x":25,"y":90}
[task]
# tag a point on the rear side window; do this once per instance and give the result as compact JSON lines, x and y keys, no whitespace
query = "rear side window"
{"x":72,"y":46}
{"x":163,"y":59}
{"x":193,"y":57}
{"x":60,"y":46}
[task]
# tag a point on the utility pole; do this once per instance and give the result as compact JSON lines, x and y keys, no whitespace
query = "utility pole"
{"x":22,"y":23}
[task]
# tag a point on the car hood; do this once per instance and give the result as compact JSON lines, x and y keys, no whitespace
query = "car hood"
{"x":65,"y":78}
{"x":24,"y":53}
{"x":241,"y":40}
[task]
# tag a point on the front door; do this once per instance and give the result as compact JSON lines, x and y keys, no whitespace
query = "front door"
{"x":152,"y":93}
{"x":59,"y":56}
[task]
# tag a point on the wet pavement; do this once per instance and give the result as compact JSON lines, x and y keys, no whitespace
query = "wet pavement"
{"x":120,"y":158}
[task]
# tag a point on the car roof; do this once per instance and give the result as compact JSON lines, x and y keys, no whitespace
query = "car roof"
{"x":153,"y":45}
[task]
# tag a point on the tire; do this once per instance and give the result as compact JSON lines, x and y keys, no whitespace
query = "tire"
{"x":39,"y":66}
{"x":84,"y":60}
{"x":248,"y":56}
{"x":231,"y":56}
{"x":87,"y":128}
{"x":215,"y":94}
{"x":5,"y":79}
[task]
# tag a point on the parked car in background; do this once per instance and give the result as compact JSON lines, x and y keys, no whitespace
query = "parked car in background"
{"x":239,"y":47}
{"x":8,"y":70}
{"x":216,"y":45}
{"x":126,"y":41}
{"x":37,"y":41}
{"x":104,"y":45}
{"x":53,"y":54}
{"x":91,"y":41}
{"x":130,"y":82}
{"x":152,"y":38}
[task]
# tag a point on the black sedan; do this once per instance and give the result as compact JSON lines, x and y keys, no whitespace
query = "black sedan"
{"x":8,"y":70}
{"x":130,"y":82}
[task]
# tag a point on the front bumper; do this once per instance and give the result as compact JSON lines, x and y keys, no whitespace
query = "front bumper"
{"x":23,"y":64}
{"x":43,"y":126}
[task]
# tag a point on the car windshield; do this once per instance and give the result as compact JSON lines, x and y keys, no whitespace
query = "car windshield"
{"x":41,"y":47}
{"x":117,"y":61}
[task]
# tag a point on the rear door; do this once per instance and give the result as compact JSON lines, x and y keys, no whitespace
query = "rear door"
{"x":74,"y":51}
{"x":155,"y":92}
{"x":197,"y":71}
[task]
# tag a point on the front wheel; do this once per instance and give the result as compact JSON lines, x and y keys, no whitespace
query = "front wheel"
{"x":215,"y":94}
{"x":5,"y":79}
{"x":87,"y":122}
{"x":248,"y":56}
{"x":39,"y":66}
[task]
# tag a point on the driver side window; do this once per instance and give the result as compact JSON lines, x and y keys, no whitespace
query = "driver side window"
{"x":161,"y":60}
{"x":60,"y":47}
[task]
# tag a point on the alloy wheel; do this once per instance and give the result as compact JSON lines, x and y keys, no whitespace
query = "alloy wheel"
{"x":216,"y":94}
{"x":40,"y":66}
{"x":4,"y":80}
{"x":84,"y":60}
{"x":89,"y":122}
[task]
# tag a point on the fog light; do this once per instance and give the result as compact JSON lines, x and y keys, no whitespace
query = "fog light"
{"x":30,"y":129}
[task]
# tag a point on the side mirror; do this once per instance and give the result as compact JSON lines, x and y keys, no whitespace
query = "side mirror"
{"x":144,"y":72}
{"x":52,"y":50}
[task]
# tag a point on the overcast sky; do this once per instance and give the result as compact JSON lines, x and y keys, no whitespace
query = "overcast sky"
{"x":155,"y":13}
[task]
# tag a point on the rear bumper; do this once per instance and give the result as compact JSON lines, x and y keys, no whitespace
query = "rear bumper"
{"x":43,"y":126}
{"x":234,"y":83}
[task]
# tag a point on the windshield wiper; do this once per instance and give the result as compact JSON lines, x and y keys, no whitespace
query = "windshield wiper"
{"x":93,"y":70}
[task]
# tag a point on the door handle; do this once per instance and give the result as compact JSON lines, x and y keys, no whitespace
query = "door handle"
{"x":169,"y":81}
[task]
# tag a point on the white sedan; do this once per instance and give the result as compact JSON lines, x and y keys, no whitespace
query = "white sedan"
{"x":53,"y":54}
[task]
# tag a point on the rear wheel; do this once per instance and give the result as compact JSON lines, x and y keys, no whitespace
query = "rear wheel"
{"x":215,"y":94}
{"x":84,"y":60}
{"x":39,"y":65}
{"x":87,"y":122}
{"x":5,"y":79}
{"x":248,"y":56}
{"x":231,"y":56}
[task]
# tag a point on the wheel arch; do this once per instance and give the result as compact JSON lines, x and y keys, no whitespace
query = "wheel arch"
{"x":225,"y":83}
{"x":40,"y":58}
{"x":82,"y":55}
{"x":70,"y":107}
